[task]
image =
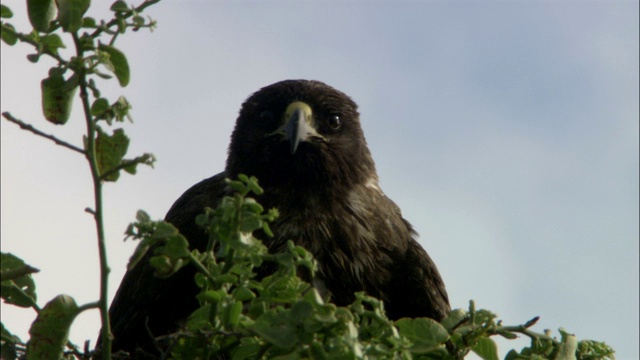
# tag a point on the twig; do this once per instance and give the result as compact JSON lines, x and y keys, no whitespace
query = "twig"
{"x":114,"y":22}
{"x":29,"y":127}
{"x":524,"y":329}
{"x":93,"y":305}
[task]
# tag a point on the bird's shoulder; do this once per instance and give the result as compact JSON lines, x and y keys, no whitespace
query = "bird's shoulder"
{"x":207,"y":192}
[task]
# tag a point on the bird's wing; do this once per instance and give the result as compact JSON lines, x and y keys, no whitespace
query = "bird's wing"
{"x":416,"y":289}
{"x":146,"y":301}
{"x":401,"y":272}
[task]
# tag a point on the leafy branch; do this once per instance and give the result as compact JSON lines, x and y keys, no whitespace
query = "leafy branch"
{"x":104,"y":150}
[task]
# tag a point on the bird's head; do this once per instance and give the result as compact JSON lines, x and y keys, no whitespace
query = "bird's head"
{"x":300,"y":134}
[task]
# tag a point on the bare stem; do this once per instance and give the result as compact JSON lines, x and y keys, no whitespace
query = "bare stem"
{"x":29,"y":127}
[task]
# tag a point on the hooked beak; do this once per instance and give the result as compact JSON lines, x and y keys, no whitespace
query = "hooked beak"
{"x":299,"y":126}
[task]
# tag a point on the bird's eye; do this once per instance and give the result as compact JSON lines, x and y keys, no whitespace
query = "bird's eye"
{"x":334,"y":122}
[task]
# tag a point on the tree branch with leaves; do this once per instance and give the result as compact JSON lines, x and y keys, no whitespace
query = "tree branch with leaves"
{"x":104,"y":149}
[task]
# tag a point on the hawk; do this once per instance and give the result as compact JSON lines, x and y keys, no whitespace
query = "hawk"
{"x":302,"y":139}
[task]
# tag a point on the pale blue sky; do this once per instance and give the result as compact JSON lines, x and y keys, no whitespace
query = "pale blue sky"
{"x":506,"y":131}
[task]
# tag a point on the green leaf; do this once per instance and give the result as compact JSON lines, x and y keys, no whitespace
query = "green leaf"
{"x":57,"y":98}
{"x":512,"y":355}
{"x":253,"y":206}
{"x":89,"y":22}
{"x":211,"y":296}
{"x":232,"y":313}
{"x":119,"y":6}
{"x":589,"y":349}
{"x":486,"y":349}
{"x":70,"y":14}
{"x":9,"y":34}
{"x":164,"y":230}
{"x":121,"y":109}
{"x":162,"y":265}
{"x":110,"y":149}
{"x":301,"y":310}
{"x":33,"y":58}
{"x":252,"y":184}
{"x":454,"y":318}
{"x":50,"y":331}
{"x":250,"y":222}
{"x":41,"y":13}
{"x":85,"y":42}
{"x":276,"y":329}
{"x":142,"y":216}
{"x":17,"y":290}
{"x":177,"y":247}
{"x":5,"y":13}
{"x":99,"y":107}
{"x":235,"y":185}
{"x":244,"y":294}
{"x":9,"y":342}
{"x":52,"y":43}
{"x":249,"y":349}
{"x":199,"y":319}
{"x":117,"y":63}
{"x":425,"y":334}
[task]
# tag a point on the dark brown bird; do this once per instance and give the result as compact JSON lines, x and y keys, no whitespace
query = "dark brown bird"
{"x":303,"y":141}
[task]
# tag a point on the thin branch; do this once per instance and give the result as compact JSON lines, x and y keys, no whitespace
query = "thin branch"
{"x":91,"y":156}
{"x":29,"y":127}
{"x":114,"y":22}
{"x":93,"y":305}
{"x":524,"y":329}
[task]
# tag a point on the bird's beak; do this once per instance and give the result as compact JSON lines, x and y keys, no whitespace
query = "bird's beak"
{"x":299,"y":124}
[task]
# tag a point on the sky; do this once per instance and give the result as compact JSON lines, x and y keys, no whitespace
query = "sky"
{"x":507,"y":132}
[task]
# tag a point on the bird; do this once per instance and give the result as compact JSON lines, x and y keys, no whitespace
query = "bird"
{"x":303,"y":141}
